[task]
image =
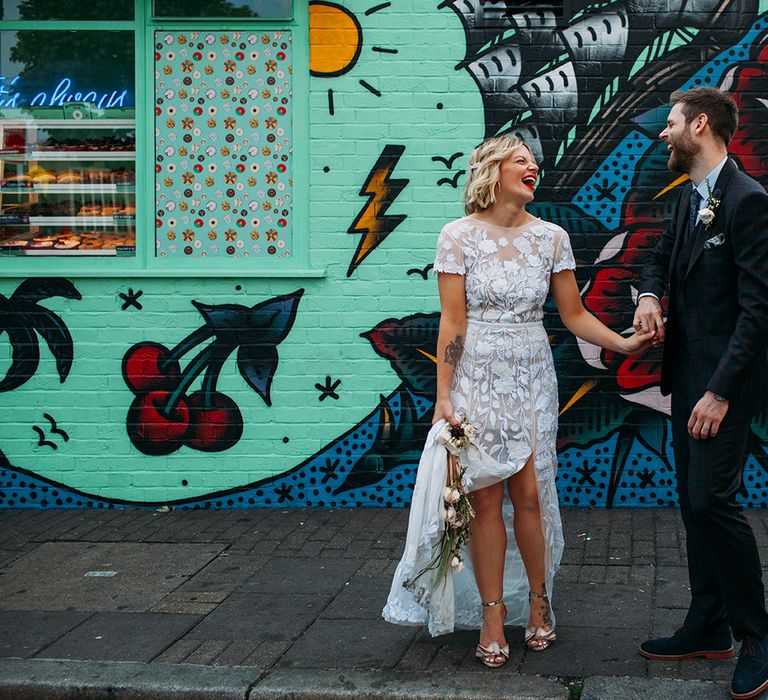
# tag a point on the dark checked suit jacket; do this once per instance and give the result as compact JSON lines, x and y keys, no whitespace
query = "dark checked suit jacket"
{"x":718,"y":300}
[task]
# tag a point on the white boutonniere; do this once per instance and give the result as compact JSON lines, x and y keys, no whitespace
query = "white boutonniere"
{"x":707,"y":214}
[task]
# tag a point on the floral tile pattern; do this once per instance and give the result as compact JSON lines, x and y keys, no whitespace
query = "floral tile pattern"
{"x":223,"y":144}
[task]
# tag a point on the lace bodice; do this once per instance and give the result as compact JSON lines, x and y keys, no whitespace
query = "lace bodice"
{"x":506,"y":270}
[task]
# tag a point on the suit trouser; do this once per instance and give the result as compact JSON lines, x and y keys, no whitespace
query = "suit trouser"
{"x":723,"y":560}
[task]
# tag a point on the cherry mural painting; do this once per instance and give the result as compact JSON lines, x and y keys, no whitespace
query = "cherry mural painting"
{"x":168,"y":413}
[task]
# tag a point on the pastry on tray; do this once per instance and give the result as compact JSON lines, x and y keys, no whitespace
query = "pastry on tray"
{"x":67,"y":242}
{"x":90,"y":211}
{"x":13,"y":243}
{"x":17,"y":178}
{"x":69,"y":177}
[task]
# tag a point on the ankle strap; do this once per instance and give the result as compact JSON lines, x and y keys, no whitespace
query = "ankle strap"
{"x":492,"y":603}
{"x":540,"y":596}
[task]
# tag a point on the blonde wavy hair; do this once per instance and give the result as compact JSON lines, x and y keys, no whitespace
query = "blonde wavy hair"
{"x":483,"y":174}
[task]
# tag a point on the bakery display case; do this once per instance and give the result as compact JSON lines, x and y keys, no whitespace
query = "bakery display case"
{"x":67,"y":187}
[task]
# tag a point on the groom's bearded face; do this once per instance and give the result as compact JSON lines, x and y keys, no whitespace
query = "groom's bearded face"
{"x":684,"y":149}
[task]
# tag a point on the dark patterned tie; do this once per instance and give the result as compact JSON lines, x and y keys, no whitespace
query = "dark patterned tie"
{"x":693,"y":209}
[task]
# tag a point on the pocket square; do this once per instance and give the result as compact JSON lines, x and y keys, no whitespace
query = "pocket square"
{"x":715,"y":241}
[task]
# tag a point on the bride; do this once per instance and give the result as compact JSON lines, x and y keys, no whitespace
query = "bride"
{"x":495,"y":267}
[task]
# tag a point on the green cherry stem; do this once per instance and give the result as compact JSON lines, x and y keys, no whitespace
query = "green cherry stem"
{"x":212,"y":373}
{"x":188,"y":376}
{"x":184,"y":346}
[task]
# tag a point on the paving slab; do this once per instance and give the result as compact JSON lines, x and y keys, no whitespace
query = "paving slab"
{"x":592,"y":605}
{"x":607,"y":688}
{"x":37,"y":679}
{"x":225,"y":573}
{"x":299,"y":575}
{"x":456,"y":651}
{"x":295,"y":684}
{"x":99,"y":576}
{"x":672,"y":588}
{"x":261,"y":617}
{"x":584,"y":651}
{"x":127,"y":636}
{"x":363,"y":597}
{"x":25,"y":632}
{"x":349,"y":644}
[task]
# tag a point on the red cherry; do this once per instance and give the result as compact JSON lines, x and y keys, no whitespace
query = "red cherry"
{"x":197,"y":56}
{"x":150,"y":430}
{"x":158,"y":111}
{"x":142,"y":368}
{"x":281,"y":167}
{"x":198,"y":111}
{"x":216,"y":427}
{"x":197,"y":168}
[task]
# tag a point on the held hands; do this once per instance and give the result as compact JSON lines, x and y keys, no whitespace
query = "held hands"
{"x":706,"y":417}
{"x":648,"y":319}
{"x":444,"y":409}
{"x":638,"y":342}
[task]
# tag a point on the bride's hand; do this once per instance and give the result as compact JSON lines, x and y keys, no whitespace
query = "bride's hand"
{"x":444,"y":409}
{"x":639,"y":342}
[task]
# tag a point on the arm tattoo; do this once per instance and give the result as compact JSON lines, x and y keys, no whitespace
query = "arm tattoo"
{"x":453,"y":351}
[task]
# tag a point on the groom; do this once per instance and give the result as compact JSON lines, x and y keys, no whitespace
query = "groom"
{"x":712,"y":261}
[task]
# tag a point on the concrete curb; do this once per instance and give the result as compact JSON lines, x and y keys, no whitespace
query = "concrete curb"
{"x":292,"y":684}
{"x":43,"y":679}
{"x":622,"y":688}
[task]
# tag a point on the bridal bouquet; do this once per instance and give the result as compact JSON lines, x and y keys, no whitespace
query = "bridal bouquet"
{"x":458,"y":510}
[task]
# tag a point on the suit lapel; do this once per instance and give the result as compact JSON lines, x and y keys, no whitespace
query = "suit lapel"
{"x":701,"y":233}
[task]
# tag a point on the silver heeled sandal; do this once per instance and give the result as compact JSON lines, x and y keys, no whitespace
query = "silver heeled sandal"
{"x":494,"y":655}
{"x":540,"y":637}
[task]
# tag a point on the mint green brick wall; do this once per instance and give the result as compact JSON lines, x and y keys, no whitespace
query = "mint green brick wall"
{"x":100,"y":461}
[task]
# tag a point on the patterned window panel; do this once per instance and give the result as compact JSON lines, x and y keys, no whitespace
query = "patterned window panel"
{"x":223,"y":144}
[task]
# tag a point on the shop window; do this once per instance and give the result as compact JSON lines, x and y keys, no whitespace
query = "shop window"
{"x":67,"y":140}
{"x":224,"y":143}
{"x":71,"y":10}
{"x":260,"y":9}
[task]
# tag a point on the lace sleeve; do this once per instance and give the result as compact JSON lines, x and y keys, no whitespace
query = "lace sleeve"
{"x":449,"y":256}
{"x":563,"y":257}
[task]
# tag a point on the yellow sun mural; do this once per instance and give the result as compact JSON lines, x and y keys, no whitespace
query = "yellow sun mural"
{"x":335,"y":39}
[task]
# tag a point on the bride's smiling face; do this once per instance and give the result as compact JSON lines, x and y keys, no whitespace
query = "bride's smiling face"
{"x":518,"y":175}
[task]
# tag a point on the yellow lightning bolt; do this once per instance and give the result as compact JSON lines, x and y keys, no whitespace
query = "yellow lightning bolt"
{"x":381,"y":191}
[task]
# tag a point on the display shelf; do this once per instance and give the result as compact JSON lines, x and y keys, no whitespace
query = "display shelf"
{"x":52,"y":156}
{"x":97,"y":221}
{"x":69,"y":124}
{"x":105,"y":188}
{"x":126,"y":251}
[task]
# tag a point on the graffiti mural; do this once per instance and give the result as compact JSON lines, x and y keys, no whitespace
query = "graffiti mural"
{"x":373,"y":222}
{"x":164,"y":415}
{"x":395,"y":107}
{"x":23,"y":318}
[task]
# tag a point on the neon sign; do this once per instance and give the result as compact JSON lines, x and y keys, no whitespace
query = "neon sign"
{"x":60,"y":95}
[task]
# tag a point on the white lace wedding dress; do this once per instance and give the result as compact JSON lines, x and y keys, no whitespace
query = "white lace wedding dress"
{"x":505,"y":385}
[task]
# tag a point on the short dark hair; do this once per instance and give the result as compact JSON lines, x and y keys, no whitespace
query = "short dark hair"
{"x":719,"y":106}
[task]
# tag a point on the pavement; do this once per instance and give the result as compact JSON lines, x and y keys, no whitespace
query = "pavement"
{"x":279,"y":604}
